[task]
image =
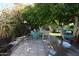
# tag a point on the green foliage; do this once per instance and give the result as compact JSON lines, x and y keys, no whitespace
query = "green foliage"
{"x":38,"y":15}
{"x":16,"y":28}
{"x":53,"y":14}
{"x":44,"y":13}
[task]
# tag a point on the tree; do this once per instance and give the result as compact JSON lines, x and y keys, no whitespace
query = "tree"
{"x":58,"y":14}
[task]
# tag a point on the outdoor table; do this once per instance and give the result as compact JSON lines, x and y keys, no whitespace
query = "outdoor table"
{"x":34,"y":34}
{"x":51,"y":52}
{"x":65,"y":44}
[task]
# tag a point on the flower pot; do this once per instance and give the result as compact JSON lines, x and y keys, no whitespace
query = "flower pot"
{"x":75,"y":40}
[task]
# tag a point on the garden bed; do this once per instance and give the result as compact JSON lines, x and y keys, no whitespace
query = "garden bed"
{"x":5,"y":50}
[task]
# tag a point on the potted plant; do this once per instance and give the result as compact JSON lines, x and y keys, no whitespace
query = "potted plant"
{"x":74,"y":39}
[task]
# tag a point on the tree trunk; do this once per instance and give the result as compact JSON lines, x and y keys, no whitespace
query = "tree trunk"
{"x":62,"y":33}
{"x":75,"y":27}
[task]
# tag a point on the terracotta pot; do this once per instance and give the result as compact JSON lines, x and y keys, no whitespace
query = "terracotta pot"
{"x":75,"y":40}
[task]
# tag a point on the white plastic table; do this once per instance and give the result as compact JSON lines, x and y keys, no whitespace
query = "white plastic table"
{"x":65,"y":44}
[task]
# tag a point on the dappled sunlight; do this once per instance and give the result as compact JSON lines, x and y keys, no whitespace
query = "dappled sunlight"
{"x":46,"y":41}
{"x":55,"y":34}
{"x":28,"y":49}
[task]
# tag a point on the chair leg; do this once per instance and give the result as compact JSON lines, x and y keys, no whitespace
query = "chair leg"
{"x":48,"y":37}
{"x":42,"y":36}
